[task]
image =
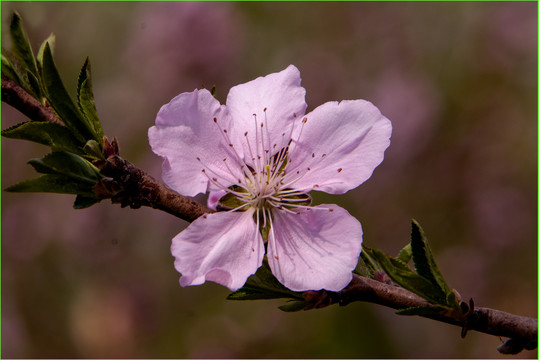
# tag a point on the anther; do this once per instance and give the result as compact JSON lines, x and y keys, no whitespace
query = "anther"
{"x":330,"y":210}
{"x":313,"y":155}
{"x":245,"y":133}
{"x":214,"y":120}
{"x":339,"y":169}
{"x":304,"y":120}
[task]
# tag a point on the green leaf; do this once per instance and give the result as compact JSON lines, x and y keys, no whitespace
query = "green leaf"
{"x":401,"y":273}
{"x":9,"y":70}
{"x":424,"y":260}
{"x":83,"y":202}
{"x":53,"y":183}
{"x":293,"y":306}
{"x":17,"y":71}
{"x":21,"y":45}
{"x":61,"y":101}
{"x":33,"y":81}
{"x":364,"y":266}
{"x":86,"y":101}
{"x":405,"y":254}
{"x":263,"y":285}
{"x":63,"y":163}
{"x":92,"y":149}
{"x":51,"y":41}
{"x":57,"y":136}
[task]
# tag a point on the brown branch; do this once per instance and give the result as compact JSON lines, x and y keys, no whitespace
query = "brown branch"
{"x":17,"y":97}
{"x":521,"y":331}
{"x":130,"y":186}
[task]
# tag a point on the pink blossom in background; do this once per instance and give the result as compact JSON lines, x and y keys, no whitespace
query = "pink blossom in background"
{"x":267,"y":155}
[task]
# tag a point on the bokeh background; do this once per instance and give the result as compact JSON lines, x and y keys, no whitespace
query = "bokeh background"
{"x":459,"y":82}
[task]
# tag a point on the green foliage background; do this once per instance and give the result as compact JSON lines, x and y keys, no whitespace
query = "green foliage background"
{"x":458,"y":81}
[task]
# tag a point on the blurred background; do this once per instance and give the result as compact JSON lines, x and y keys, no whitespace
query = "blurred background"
{"x":459,"y":82}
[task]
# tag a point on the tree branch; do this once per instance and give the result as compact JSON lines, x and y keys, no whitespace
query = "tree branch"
{"x":130,"y":186}
{"x":17,"y":97}
{"x":521,"y":331}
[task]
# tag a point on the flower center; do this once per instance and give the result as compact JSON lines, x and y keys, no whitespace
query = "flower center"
{"x":263,"y":183}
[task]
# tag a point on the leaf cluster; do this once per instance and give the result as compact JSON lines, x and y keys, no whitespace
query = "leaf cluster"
{"x":77,"y":141}
{"x":424,"y":280}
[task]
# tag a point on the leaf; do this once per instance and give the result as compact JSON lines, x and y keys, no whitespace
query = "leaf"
{"x":405,"y":254}
{"x":293,"y":306}
{"x":57,"y":136}
{"x":63,"y":163}
{"x":364,"y":266}
{"x":92,"y":149}
{"x":405,"y":277}
{"x":86,"y":101}
{"x":83,"y":202}
{"x":424,"y":260}
{"x":34,"y":85}
{"x":61,"y":101}
{"x":52,"y":183}
{"x":263,"y":285}
{"x":21,"y":45}
{"x":17,"y":71}
{"x":51,"y":41}
{"x":9,"y":70}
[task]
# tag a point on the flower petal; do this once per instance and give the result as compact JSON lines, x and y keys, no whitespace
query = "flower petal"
{"x":184,"y":132}
{"x":315,"y":249}
{"x":225,"y":247}
{"x":283,"y":98}
{"x":339,"y":146}
{"x":213,"y":199}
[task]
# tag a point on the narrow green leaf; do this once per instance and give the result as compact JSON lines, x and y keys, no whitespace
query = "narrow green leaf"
{"x":52,"y":183}
{"x":61,"y":101}
{"x":83,"y":202}
{"x":405,"y":254}
{"x":51,"y":41}
{"x":9,"y":70}
{"x":293,"y":306}
{"x":405,"y":277}
{"x":424,"y":260}
{"x":34,"y":83}
{"x":63,"y":163}
{"x":21,"y":45}
{"x":92,"y":149}
{"x":18,"y":72}
{"x":57,"y":136}
{"x":364,"y":266}
{"x":86,"y":101}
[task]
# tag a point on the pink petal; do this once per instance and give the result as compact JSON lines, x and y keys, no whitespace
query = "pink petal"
{"x":184,"y":132}
{"x":214,"y":197}
{"x":315,"y":249}
{"x":283,"y":98}
{"x":340,"y":145}
{"x":224,"y":247}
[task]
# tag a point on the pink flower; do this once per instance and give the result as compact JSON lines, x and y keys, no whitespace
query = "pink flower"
{"x":266,"y":155}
